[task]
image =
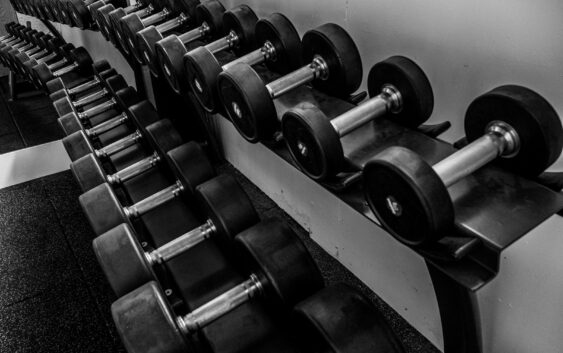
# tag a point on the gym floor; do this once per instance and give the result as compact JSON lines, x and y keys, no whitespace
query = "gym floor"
{"x":53,"y":296}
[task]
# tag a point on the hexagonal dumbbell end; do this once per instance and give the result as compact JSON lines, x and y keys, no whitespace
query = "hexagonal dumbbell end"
{"x":122,"y":259}
{"x":88,"y":172}
{"x":77,"y":145}
{"x":70,"y":123}
{"x":102,"y":208}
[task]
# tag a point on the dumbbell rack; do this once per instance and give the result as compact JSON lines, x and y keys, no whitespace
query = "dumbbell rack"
{"x":461,"y":263}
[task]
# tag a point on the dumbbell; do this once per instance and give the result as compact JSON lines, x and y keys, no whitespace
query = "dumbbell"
{"x":78,"y":10}
{"x":8,"y":53}
{"x":48,"y":11}
{"x":239,"y":23}
{"x":89,"y":170}
{"x":399,"y":91}
{"x":74,"y":122}
{"x":106,"y":12}
{"x":191,"y":167}
{"x":282,"y":271}
{"x":13,"y":30}
{"x":335,"y":67}
{"x":146,"y":39}
{"x":21,"y":41}
{"x":64,"y":13}
{"x":511,"y":125}
{"x":127,"y":265}
{"x":340,"y":319}
{"x":132,"y":23}
{"x":79,"y":61}
{"x":41,"y":46}
{"x":115,"y":17}
{"x":56,"y":57}
{"x":107,"y":88}
{"x":280,"y":51}
{"x":171,"y":50}
{"x":57,"y":88}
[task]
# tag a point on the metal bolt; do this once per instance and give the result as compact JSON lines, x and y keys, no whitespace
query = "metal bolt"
{"x":302,"y":149}
{"x":198,"y":85}
{"x":167,"y":71}
{"x":168,"y":292}
{"x":393,"y":206}
{"x":237,"y":110}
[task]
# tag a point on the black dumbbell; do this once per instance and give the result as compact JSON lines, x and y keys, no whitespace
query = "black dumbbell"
{"x":42,"y":48}
{"x":76,"y":121}
{"x":280,"y":50}
{"x":335,"y":67}
{"x":191,"y":167}
{"x":105,"y":13}
{"x":282,"y":271}
{"x":13,"y":30}
{"x":240,"y":24}
{"x":341,"y":319}
{"x":87,"y":141}
{"x":33,"y":42}
{"x":79,"y":61}
{"x":22,"y":41}
{"x":147,"y":38}
{"x":57,"y":88}
{"x":55,"y":57}
{"x":171,"y":50}
{"x":107,"y":89}
{"x":89,"y":170}
{"x":511,"y":125}
{"x":127,"y":265}
{"x":399,"y":91}
{"x":132,"y":23}
{"x":78,"y":10}
{"x":115,"y":16}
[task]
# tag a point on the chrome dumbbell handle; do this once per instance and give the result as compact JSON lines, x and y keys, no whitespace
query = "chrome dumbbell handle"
{"x":65,"y":70}
{"x":107,"y":125}
{"x":182,"y":243}
{"x":134,"y":169}
{"x":266,"y":53}
{"x":195,"y":33}
{"x":90,"y":98}
{"x":100,"y":108}
{"x":84,"y":86}
{"x":229,"y":41}
{"x":500,"y":140}
{"x":118,"y":145}
{"x":317,"y":69}
{"x":219,"y":306}
{"x":153,"y":201}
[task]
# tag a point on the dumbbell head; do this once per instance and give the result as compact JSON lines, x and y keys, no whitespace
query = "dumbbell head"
{"x":126,"y":264}
{"x":72,"y":123}
{"x":79,"y":13}
{"x":411,"y":199}
{"x":89,"y":172}
{"x":202,"y":67}
{"x":284,"y":268}
{"x":340,"y":319}
{"x":171,"y":50}
{"x":314,"y":142}
{"x":65,"y":105}
{"x":100,"y":68}
{"x":103,"y":208}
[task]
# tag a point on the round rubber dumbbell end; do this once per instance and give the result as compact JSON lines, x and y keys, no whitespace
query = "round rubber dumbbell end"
{"x":101,"y":66}
{"x":88,"y":172}
{"x":170,"y":52}
{"x":70,"y":123}
{"x":278,"y":30}
{"x":227,"y":206}
{"x":122,"y":259}
{"x":146,"y":323}
{"x":102,"y":208}
{"x":412,"y":84}
{"x":312,"y":141}
{"x":163,"y":136}
{"x":42,"y":74}
{"x":343,"y":319}
{"x":407,"y":196}
{"x":77,"y":145}
{"x":146,"y":40}
{"x":247,"y":102}
{"x":531,"y":116}
{"x":284,"y":266}
{"x":63,"y":106}
{"x":334,"y":44}
{"x":202,"y":69}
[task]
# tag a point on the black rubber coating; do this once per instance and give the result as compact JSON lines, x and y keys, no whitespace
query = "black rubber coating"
{"x":88,"y":172}
{"x":278,"y":30}
{"x":102,"y":208}
{"x":407,"y":196}
{"x":281,"y":261}
{"x":337,"y":48}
